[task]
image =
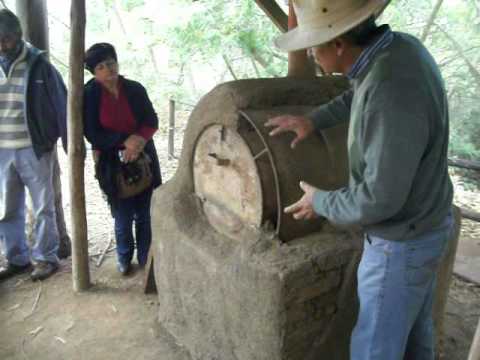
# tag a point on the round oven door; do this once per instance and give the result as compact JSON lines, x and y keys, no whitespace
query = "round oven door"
{"x":227,"y":181}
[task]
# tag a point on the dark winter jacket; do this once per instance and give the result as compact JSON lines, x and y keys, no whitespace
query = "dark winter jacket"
{"x":108,"y":141}
{"x":46,"y":103}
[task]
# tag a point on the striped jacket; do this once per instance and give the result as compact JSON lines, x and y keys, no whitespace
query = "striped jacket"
{"x":44,"y":102}
{"x":13,"y":128}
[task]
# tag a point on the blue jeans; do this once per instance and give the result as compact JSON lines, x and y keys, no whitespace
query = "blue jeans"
{"x":125,"y":211}
{"x":20,"y":168}
{"x":396,"y":283}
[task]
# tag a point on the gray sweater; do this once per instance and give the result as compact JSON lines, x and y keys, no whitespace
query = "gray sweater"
{"x":399,"y":185}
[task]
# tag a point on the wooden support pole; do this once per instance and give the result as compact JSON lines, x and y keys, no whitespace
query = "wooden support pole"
{"x":275,"y":13}
{"x":299,"y":65}
{"x":475,"y":348}
{"x":171,"y":129}
{"x":76,"y":149}
{"x":33,"y":17}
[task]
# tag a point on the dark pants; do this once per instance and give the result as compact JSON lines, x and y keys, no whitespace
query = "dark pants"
{"x":125,"y":212}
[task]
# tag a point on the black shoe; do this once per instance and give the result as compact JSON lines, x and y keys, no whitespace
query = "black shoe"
{"x":12,"y":270}
{"x":64,"y":248}
{"x":43,"y":270}
{"x":123,"y":269}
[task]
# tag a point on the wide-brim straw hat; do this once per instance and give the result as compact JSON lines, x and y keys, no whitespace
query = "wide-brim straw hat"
{"x":320,"y":21}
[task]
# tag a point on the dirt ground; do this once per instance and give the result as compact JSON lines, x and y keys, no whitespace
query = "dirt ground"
{"x":113,"y":320}
{"x":48,"y":321}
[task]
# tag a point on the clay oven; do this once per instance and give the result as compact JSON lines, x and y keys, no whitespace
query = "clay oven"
{"x":237,"y":278}
{"x":244,"y":178}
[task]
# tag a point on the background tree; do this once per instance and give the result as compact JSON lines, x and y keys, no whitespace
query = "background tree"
{"x":181,"y":48}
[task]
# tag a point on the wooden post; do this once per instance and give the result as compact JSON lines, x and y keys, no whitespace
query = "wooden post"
{"x":76,"y":150}
{"x":275,"y":13}
{"x":299,"y":65}
{"x":171,"y":129}
{"x":475,"y":348}
{"x":33,"y":17}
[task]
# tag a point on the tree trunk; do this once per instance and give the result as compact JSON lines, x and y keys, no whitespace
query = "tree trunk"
{"x":229,"y":66}
{"x":255,"y":68}
{"x":263,"y":63}
{"x":473,"y":70}
{"x":34,"y":19}
{"x":119,"y":18}
{"x":76,"y":149}
{"x":431,"y":20}
{"x":118,"y":15}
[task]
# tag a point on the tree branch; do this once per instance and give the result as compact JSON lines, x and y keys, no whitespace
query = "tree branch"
{"x":431,"y":20}
{"x":153,"y":59}
{"x":58,"y":61}
{"x":464,"y":164}
{"x":475,"y":73}
{"x":280,"y":57}
{"x":259,"y":59}
{"x":50,"y":15}
{"x":119,"y":18}
{"x":255,"y":67}
{"x":229,"y":66}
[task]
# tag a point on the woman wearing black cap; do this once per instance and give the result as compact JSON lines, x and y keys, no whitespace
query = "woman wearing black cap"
{"x":120,"y":122}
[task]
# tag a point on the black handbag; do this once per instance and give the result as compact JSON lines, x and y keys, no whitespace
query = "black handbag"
{"x":134,"y":177}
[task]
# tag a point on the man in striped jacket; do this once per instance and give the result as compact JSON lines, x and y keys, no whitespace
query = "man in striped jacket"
{"x":32,"y":118}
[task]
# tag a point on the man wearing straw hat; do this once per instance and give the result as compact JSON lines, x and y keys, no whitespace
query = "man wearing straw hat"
{"x":399,"y":190}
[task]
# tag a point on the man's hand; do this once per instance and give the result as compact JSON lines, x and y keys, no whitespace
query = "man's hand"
{"x":300,"y":125}
{"x":133,"y":147}
{"x":303,"y":208}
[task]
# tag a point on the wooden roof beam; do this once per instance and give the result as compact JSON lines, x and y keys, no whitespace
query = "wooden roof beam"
{"x":275,"y":13}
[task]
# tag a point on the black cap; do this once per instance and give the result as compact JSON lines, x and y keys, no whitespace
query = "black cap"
{"x":9,"y":23}
{"x":97,"y":53}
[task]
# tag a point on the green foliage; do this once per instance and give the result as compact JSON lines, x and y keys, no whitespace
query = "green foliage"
{"x":132,"y":4}
{"x":454,"y":40}
{"x":181,"y":49}
{"x":233,"y":35}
